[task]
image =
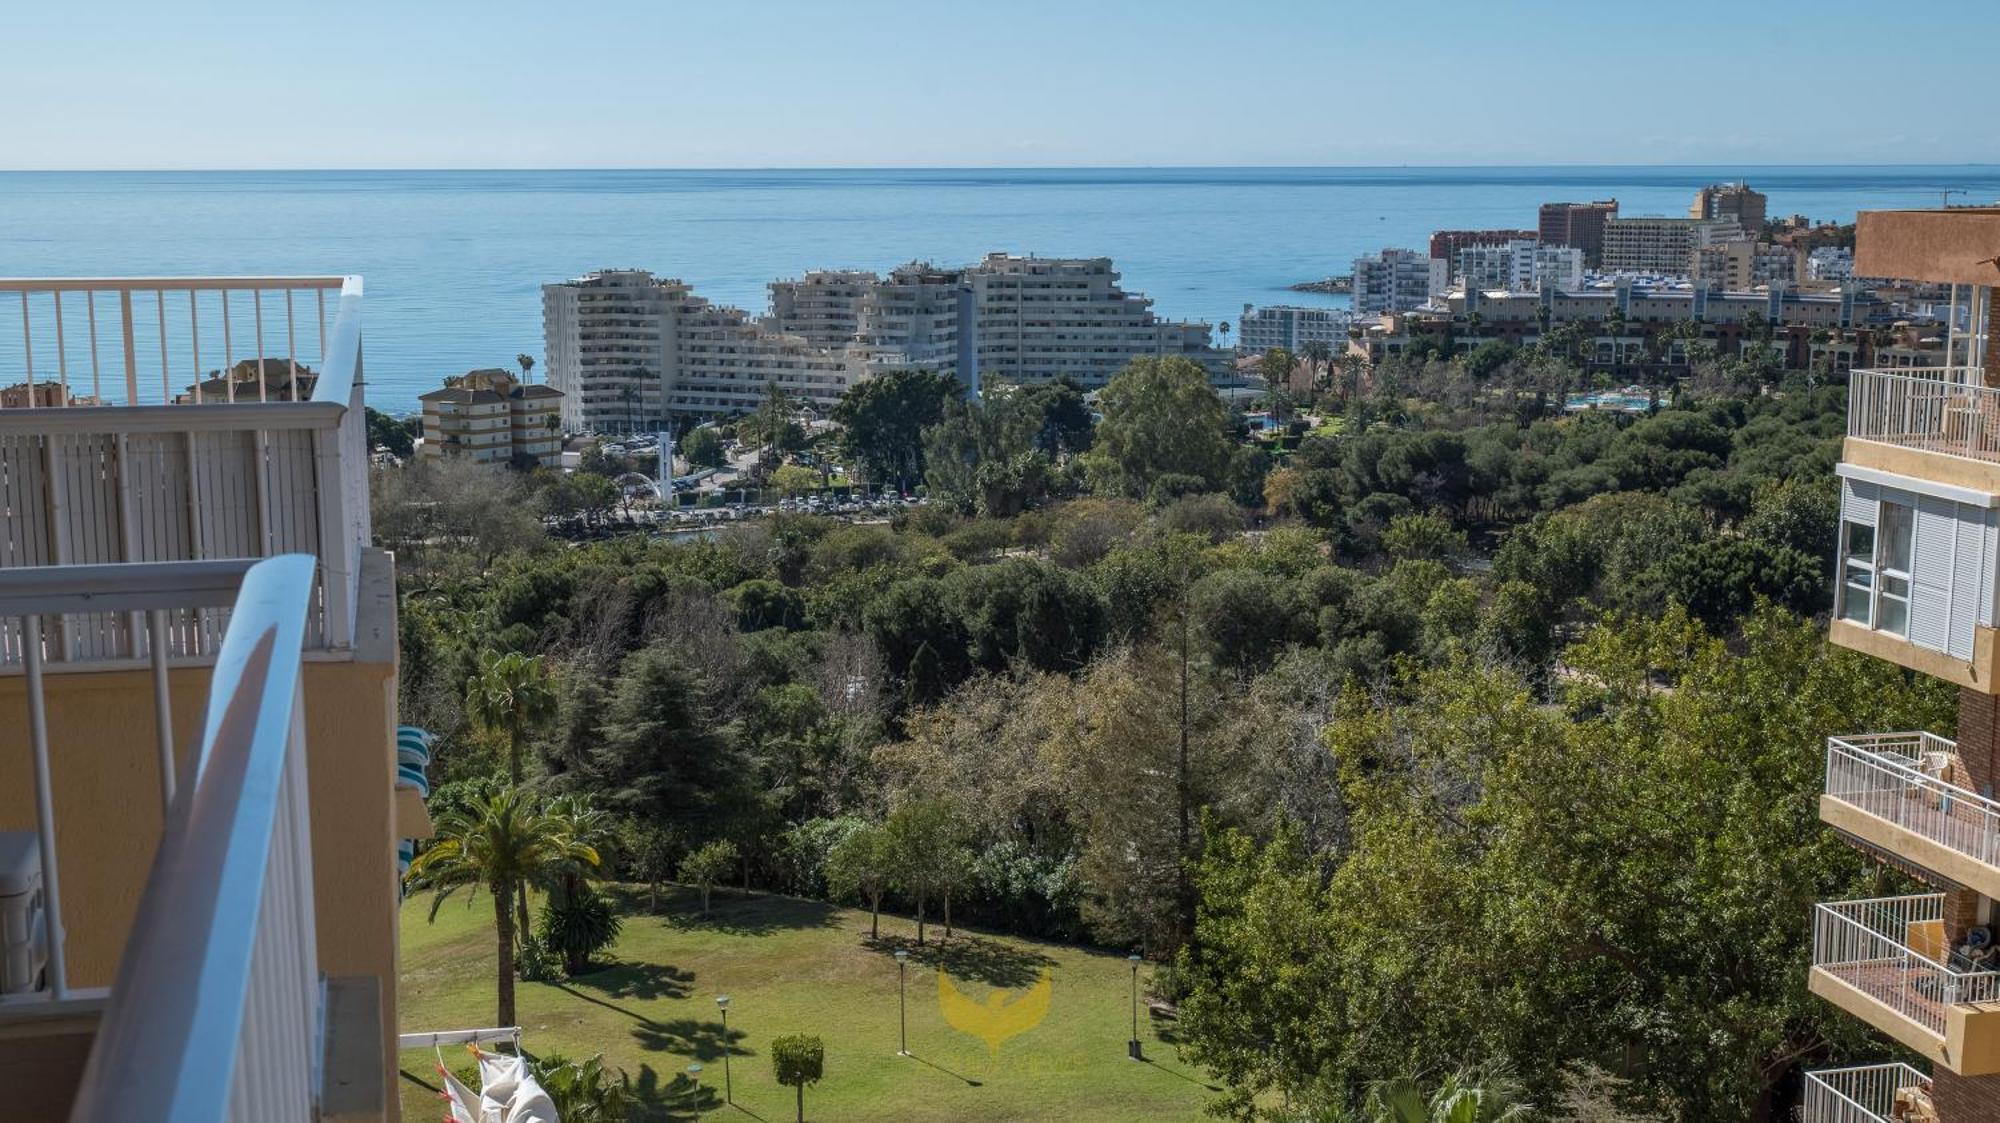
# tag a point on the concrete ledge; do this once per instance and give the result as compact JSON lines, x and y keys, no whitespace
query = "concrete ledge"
{"x":1923,"y":463}
{"x":1975,"y":674}
{"x":1867,"y":1008}
{"x":1910,"y":846}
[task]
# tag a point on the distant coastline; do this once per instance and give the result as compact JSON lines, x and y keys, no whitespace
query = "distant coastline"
{"x":1337,"y":285}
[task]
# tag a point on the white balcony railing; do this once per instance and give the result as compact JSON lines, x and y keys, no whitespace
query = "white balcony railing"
{"x":1884,"y":1093}
{"x":104,"y":460}
{"x":1906,"y":778}
{"x":1893,"y":950}
{"x":217,"y":999}
{"x":1940,"y":409}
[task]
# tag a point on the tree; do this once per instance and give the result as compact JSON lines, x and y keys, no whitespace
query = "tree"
{"x":798,"y":1059}
{"x":385,"y":432}
{"x":863,"y":864}
{"x":884,"y":418}
{"x":510,"y":696}
{"x":703,"y":448}
{"x":794,"y":479}
{"x":1161,"y":418}
{"x":1466,"y":1096}
{"x":707,"y":866}
{"x":927,"y":840}
{"x":503,"y":842}
{"x":577,"y":925}
{"x":527,"y":364}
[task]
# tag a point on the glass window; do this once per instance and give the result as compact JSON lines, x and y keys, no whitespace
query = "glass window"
{"x":1860,"y":541}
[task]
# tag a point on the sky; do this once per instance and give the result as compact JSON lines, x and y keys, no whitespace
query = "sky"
{"x":985,"y":83}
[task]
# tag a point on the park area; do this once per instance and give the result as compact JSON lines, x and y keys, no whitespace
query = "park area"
{"x":999,"y":1028}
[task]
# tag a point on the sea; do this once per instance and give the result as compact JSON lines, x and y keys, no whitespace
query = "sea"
{"x":454,"y":260}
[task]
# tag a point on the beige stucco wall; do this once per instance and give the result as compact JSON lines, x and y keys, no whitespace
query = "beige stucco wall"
{"x":108,"y":815}
{"x":1954,"y":247}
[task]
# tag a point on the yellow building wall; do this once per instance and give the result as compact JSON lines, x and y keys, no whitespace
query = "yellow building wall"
{"x":106,"y":784}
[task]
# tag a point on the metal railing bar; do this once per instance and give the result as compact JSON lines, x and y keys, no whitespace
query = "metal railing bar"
{"x":120,"y":586}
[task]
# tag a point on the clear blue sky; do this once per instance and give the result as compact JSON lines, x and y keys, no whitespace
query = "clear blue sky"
{"x":767,"y":83}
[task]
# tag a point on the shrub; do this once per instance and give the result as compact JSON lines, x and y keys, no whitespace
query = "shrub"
{"x":798,"y":1059}
{"x":708,"y":865}
{"x":577,"y":926}
{"x":585,"y":1091}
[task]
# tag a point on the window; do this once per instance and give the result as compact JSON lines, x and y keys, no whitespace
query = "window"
{"x":1875,"y":570}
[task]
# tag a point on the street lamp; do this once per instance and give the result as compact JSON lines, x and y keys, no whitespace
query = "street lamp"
{"x":1132,"y":1046}
{"x":694,"y":1073}
{"x":902,"y":1003}
{"x":728,"y":1091}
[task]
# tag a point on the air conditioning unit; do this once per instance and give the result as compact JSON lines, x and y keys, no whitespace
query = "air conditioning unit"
{"x":24,"y":948}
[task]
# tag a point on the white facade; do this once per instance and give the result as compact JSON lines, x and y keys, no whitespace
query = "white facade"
{"x":1397,"y":280}
{"x":1917,"y":559}
{"x":1291,"y":327}
{"x":823,"y":307}
{"x":1830,"y":263}
{"x":1661,"y":245}
{"x":1520,"y":265}
{"x":607,"y":341}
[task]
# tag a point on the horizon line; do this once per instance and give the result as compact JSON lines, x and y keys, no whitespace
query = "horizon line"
{"x":977,"y":167}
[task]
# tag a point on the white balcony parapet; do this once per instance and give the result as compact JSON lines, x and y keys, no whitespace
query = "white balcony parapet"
{"x":1938,"y":409}
{"x":1905,"y":778}
{"x":101,"y":463}
{"x":217,"y":999}
{"x":1892,"y":949}
{"x":1881,"y":1093}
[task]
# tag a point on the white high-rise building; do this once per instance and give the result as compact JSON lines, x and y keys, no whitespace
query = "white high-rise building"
{"x":1830,"y":263}
{"x":823,"y":307}
{"x":630,"y":350}
{"x":607,"y":348}
{"x":1520,"y":265}
{"x":1397,"y":280}
{"x":1290,"y":326}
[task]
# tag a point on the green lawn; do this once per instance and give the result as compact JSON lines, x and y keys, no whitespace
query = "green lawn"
{"x":792,"y":966}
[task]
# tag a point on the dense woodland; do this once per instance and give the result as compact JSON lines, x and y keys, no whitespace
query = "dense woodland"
{"x":1434,"y":732}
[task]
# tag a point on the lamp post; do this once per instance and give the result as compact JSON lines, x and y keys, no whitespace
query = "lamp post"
{"x":694,"y":1073}
{"x":902,"y":1003}
{"x":1132,"y":1046}
{"x":728,"y":1092}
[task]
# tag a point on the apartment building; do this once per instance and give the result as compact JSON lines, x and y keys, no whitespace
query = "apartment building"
{"x":607,"y":345}
{"x":1396,"y":280}
{"x":1447,"y":244}
{"x":1577,"y":224}
{"x":919,"y":317}
{"x":1646,"y":326}
{"x":1917,"y":582}
{"x":1830,"y":263}
{"x":1292,"y":327}
{"x":1733,"y":201}
{"x":1042,"y":318}
{"x":1522,"y":264}
{"x":198,"y":692}
{"x":1744,"y":263}
{"x":489,"y":417}
{"x":1660,"y":245}
{"x":823,"y":307}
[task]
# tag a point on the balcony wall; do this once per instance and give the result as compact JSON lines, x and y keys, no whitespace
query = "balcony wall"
{"x":1884,"y":962}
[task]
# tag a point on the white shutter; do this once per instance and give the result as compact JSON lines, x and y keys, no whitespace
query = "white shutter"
{"x":1933,"y":552}
{"x":1857,"y":501}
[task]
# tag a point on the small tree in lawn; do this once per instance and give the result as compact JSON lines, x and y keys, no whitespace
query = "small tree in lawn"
{"x":798,"y":1059}
{"x":707,"y":866}
{"x":925,"y":839}
{"x":954,"y":873}
{"x":863,"y":864}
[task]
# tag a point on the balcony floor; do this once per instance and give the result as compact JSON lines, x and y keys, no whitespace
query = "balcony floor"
{"x":1896,"y":986}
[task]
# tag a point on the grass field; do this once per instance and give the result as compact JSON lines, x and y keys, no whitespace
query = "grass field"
{"x":793,"y":966}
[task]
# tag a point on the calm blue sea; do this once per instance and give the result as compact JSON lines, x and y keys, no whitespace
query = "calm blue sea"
{"x":453,"y":260}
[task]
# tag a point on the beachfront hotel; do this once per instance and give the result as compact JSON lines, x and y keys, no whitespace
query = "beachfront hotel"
{"x":199,"y":832}
{"x":1918,"y":584}
{"x":630,"y":350}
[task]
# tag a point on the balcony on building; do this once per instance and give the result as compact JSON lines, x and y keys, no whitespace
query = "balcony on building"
{"x":1920,"y":468}
{"x":197,"y":704}
{"x":1892,"y":1092}
{"x":1886,"y":962}
{"x":1909,"y":796}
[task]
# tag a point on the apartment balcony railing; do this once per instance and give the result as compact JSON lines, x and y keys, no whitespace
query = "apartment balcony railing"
{"x":217,"y":997}
{"x":109,"y":456}
{"x":1887,"y":962}
{"x":1948,"y":410}
{"x":1906,"y":793}
{"x":1884,"y":1093}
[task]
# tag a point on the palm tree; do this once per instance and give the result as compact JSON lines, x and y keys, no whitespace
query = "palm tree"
{"x":586,"y":825}
{"x":503,"y":842}
{"x":510,"y":694}
{"x":1468,"y":1096}
{"x":1223,"y":329}
{"x":527,"y":362}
